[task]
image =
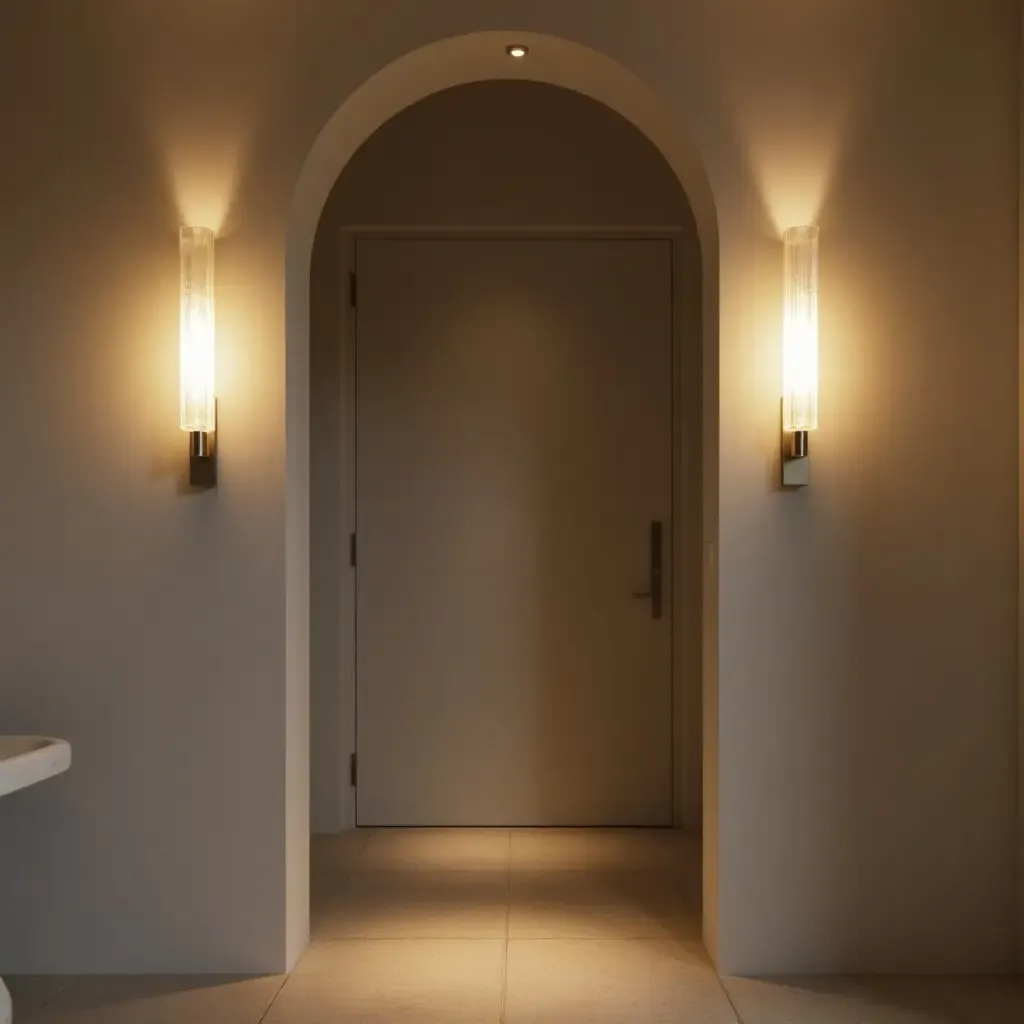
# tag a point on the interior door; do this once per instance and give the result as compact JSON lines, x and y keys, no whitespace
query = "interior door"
{"x":514,"y":420}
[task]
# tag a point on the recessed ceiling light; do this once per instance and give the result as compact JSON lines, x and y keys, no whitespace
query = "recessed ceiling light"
{"x":517,"y":51}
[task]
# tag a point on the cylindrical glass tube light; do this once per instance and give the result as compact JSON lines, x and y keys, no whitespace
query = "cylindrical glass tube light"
{"x":198,"y":401}
{"x":800,"y":331}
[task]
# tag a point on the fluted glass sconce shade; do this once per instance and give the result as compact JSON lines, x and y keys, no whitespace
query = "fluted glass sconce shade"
{"x":198,"y":343}
{"x":799,"y":351}
{"x":197,"y":329}
{"x":800,"y":330}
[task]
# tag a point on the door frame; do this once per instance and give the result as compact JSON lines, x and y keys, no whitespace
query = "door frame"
{"x":686,"y":627}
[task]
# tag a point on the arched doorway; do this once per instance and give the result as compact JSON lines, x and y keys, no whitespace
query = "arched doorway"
{"x":445,"y":64}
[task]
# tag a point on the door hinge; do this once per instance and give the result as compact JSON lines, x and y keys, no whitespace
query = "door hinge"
{"x":352,"y":550}
{"x":353,"y":769}
{"x":352,"y":288}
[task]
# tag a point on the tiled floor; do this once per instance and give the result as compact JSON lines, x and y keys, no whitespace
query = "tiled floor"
{"x":437,"y":926}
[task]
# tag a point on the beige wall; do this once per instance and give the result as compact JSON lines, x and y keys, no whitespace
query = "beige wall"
{"x":1020,"y":527}
{"x":867,"y":627}
{"x":510,"y":155}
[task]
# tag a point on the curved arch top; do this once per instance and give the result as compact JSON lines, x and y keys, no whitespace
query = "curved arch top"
{"x":480,"y":56}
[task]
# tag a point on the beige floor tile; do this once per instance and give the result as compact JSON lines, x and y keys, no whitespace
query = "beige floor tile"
{"x":391,"y":981}
{"x":929,"y":996}
{"x":31,"y":992}
{"x":986,"y":1000}
{"x":661,"y":850}
{"x":837,"y":1000}
{"x":594,"y":905}
{"x":560,"y":850}
{"x":558,"y":981}
{"x":428,"y":849}
{"x":163,"y":1000}
{"x":333,"y":859}
{"x":414,"y":904}
{"x":337,"y":853}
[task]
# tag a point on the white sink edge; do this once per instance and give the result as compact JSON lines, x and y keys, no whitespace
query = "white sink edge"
{"x":26,"y":760}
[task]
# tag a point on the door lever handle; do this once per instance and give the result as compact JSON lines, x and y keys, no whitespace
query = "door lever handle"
{"x":654,"y":594}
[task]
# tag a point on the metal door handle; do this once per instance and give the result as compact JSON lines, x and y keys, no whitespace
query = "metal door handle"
{"x":655,"y":591}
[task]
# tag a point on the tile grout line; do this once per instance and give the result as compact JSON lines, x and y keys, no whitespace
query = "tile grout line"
{"x":270,"y":1005}
{"x":728,"y":997}
{"x":334,"y":940}
{"x":508,"y":931}
{"x":59,"y":991}
{"x":694,"y":946}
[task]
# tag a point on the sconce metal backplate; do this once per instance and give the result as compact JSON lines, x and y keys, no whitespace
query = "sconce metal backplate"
{"x":202,"y":457}
{"x":796,"y":460}
{"x":795,"y":472}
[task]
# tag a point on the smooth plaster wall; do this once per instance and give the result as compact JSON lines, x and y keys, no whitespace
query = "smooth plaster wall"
{"x":867,"y":627}
{"x":505,"y":155}
{"x":1020,"y":522}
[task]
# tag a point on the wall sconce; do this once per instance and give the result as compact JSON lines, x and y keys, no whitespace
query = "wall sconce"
{"x":799,"y":353}
{"x":198,"y":340}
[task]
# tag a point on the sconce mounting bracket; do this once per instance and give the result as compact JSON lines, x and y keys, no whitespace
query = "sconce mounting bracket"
{"x":202,"y":457}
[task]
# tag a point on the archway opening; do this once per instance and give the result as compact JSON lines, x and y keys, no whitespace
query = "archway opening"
{"x":427,"y":72}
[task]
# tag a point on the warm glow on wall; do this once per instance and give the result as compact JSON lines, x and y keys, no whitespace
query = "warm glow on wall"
{"x":799,"y":350}
{"x":198,"y":343}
